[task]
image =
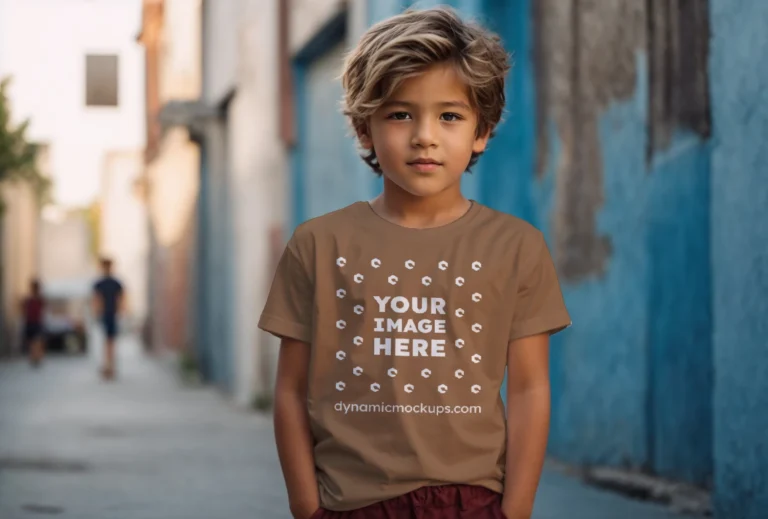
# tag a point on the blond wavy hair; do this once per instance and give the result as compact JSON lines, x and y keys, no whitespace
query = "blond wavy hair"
{"x":405,"y":45}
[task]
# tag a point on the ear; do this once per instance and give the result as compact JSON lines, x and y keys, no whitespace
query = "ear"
{"x":364,"y":136}
{"x":481,"y":141}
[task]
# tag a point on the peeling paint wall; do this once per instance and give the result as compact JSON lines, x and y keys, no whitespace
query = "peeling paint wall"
{"x":632,"y":380}
{"x":590,"y":62}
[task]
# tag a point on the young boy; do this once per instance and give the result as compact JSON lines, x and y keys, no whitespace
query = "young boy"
{"x":108,"y":298}
{"x":399,"y":316}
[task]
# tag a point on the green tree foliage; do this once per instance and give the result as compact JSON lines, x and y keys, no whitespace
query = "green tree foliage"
{"x":17,"y":155}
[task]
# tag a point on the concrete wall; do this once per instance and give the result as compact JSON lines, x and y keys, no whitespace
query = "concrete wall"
{"x":221,"y":23}
{"x":181,"y":73}
{"x":66,"y":246}
{"x":632,"y":380}
{"x":242,"y":193}
{"x":739,"y":78}
{"x":49,"y":84}
{"x":19,"y":262}
{"x":217,"y":283}
{"x":218,"y":258}
{"x":308,"y":17}
{"x":174,"y":178}
{"x":258,"y":169}
{"x":173,"y":175}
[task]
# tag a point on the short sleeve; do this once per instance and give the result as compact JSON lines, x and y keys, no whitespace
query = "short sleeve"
{"x":288,"y":311}
{"x":539,"y":307}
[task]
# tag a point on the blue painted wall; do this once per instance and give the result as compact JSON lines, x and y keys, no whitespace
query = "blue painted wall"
{"x":331,"y":159}
{"x":326,"y":171}
{"x":632,"y":380}
{"x":599,"y":370}
{"x":739,"y":80}
{"x":505,"y":172}
{"x":215,"y":279}
{"x":680,"y":313}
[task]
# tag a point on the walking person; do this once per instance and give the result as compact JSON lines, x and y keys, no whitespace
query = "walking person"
{"x":33,"y":311}
{"x":399,"y":317}
{"x":108,"y":297}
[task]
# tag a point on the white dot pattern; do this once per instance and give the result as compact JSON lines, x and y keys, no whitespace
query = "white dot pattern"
{"x":426,"y":281}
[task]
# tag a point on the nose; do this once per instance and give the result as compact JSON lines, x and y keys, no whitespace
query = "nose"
{"x":424,"y":134}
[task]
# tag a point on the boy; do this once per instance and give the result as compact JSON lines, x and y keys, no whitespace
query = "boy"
{"x":399,"y":316}
{"x":108,"y":301}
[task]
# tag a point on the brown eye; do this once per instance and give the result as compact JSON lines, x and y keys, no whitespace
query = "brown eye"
{"x":451,"y":117}
{"x":399,"y":116}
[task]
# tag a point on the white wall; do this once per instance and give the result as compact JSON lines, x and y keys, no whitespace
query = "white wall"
{"x":65,"y":239}
{"x":357,"y":20}
{"x":309,"y":16}
{"x":181,"y":70}
{"x":258,"y":170}
{"x":223,"y":18}
{"x":43,"y":44}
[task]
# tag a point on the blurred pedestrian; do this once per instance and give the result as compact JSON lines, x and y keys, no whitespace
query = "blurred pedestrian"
{"x":33,"y":312}
{"x":108,"y":297}
{"x":399,"y":317}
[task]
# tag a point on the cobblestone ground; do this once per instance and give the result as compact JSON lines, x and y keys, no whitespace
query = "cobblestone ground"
{"x":146,"y":447}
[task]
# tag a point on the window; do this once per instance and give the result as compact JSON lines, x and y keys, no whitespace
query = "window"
{"x":101,"y":80}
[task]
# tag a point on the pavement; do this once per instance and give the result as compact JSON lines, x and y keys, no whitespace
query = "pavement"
{"x":149,"y":447}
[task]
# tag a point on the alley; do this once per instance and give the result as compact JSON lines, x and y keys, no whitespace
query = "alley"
{"x":146,"y":447}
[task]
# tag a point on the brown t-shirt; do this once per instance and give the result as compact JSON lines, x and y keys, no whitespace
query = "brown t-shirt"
{"x":409,"y":330}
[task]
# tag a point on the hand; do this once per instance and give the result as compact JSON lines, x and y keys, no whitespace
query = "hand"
{"x":304,"y":510}
{"x":511,"y":511}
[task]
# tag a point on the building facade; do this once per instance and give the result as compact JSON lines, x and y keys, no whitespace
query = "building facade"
{"x":80,"y":86}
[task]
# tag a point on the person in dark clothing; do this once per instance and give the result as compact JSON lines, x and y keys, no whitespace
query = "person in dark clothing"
{"x":32,"y":309}
{"x":108,"y":302}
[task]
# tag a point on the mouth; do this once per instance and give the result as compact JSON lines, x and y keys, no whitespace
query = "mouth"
{"x":425,"y":165}
{"x":425,"y":161}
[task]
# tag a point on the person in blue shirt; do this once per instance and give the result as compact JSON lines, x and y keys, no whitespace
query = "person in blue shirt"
{"x":108,"y":302}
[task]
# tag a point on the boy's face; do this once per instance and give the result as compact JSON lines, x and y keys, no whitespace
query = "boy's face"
{"x":425,"y":133}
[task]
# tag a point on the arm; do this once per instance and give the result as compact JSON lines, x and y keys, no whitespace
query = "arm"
{"x":294,"y":439}
{"x":528,"y":408}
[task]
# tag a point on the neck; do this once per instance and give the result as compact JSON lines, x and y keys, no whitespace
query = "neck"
{"x":408,"y":210}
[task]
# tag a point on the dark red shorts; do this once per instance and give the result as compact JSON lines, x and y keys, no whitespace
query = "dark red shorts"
{"x":441,"y":502}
